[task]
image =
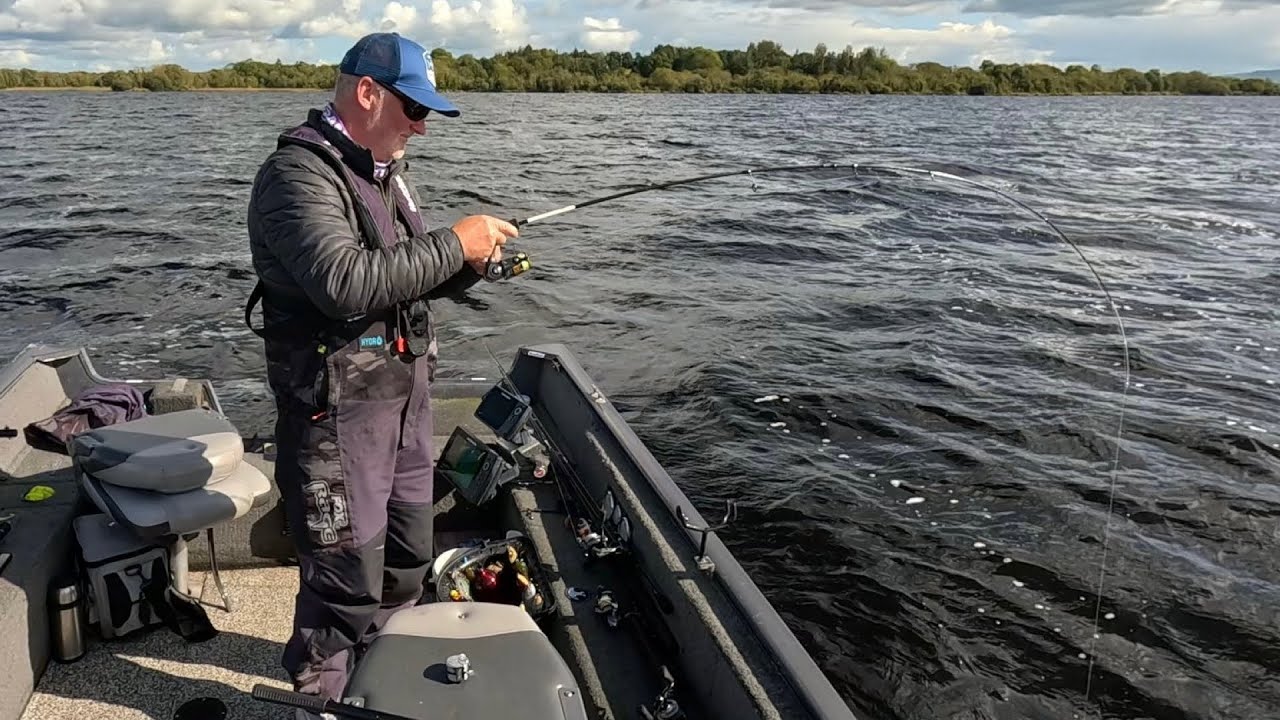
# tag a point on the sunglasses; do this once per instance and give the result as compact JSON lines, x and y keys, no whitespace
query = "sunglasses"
{"x":413,"y":110}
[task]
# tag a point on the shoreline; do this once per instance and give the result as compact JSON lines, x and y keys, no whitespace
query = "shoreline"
{"x":95,"y":88}
{"x":98,"y":88}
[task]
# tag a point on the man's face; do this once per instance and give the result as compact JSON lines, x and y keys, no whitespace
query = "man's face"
{"x":391,"y":120}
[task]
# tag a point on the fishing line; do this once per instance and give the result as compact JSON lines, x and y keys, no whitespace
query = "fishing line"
{"x":857,"y":168}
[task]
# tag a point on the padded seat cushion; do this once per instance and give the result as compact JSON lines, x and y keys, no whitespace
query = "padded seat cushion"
{"x":170,"y":453}
{"x":518,"y":672}
{"x":155,"y":515}
{"x":169,"y":474}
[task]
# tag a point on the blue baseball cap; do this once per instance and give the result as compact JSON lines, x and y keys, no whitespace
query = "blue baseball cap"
{"x":399,"y":63}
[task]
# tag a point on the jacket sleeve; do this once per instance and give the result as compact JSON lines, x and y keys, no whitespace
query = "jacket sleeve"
{"x":460,"y":282}
{"x":457,"y":285}
{"x":303,"y":221}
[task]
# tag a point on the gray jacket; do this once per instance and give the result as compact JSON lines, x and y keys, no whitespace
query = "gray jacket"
{"x":308,"y":249}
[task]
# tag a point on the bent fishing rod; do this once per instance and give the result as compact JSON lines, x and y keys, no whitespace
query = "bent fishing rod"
{"x":520,"y":263}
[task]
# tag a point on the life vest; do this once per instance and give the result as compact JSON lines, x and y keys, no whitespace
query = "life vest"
{"x":408,"y":325}
{"x":317,"y":364}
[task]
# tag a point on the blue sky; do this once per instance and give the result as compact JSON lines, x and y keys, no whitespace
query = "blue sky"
{"x":1222,"y":36}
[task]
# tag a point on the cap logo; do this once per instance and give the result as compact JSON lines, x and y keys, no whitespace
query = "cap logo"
{"x":431,"y":68}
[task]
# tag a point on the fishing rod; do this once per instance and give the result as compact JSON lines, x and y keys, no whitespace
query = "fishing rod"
{"x":648,"y":187}
{"x":520,"y":263}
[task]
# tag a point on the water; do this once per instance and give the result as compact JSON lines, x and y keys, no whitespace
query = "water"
{"x":929,"y":515}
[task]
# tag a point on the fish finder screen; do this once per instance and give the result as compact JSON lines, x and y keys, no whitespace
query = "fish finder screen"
{"x":502,"y":411}
{"x":463,"y":458}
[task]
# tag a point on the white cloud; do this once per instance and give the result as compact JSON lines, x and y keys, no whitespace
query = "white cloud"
{"x":80,"y":18}
{"x":485,"y":25}
{"x":157,"y":52}
{"x":607,"y":35}
{"x":1194,"y":38}
{"x":15,"y":58}
{"x":35,"y":17}
{"x":269,"y":50}
{"x":404,"y":17}
{"x":335,"y":26}
{"x":951,"y":42}
{"x":719,"y":25}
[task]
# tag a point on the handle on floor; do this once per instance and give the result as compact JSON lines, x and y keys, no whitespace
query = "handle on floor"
{"x":317,"y":705}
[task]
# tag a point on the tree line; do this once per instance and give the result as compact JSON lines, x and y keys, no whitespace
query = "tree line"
{"x":764,"y":67}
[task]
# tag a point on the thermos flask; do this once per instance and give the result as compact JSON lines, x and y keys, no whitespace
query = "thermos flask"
{"x":67,"y":621}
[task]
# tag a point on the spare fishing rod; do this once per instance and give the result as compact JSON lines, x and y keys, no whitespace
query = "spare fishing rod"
{"x":581,"y":504}
{"x":585,"y":519}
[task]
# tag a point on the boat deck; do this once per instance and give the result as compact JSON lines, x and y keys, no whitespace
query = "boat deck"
{"x":150,"y":675}
{"x":733,"y":656}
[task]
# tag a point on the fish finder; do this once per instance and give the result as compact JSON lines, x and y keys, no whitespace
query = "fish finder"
{"x":504,"y":411}
{"x":475,"y":468}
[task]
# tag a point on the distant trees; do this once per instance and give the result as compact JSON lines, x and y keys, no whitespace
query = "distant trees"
{"x":763,"y":67}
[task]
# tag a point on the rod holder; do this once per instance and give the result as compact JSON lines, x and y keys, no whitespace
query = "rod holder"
{"x":730,"y":514}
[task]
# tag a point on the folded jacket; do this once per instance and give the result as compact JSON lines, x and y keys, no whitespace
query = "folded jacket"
{"x":96,"y":407}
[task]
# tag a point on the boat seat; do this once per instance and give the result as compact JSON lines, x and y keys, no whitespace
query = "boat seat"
{"x":169,"y":476}
{"x":517,"y":671}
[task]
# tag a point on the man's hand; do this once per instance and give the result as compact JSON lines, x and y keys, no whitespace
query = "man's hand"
{"x":482,"y":237}
{"x":479,"y":265}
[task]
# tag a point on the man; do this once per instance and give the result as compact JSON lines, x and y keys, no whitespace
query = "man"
{"x":346,"y":268}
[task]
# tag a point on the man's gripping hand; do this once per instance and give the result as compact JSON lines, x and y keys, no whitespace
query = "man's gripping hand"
{"x":482,"y":238}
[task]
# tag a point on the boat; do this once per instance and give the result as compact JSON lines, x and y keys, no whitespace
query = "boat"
{"x":629,"y":606}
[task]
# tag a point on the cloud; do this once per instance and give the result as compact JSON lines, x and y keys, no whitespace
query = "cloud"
{"x":469,"y":26}
{"x":1214,"y":42}
{"x":82,"y":34}
{"x":158,"y":52}
{"x":117,"y":50}
{"x":267,"y":50}
{"x":31,"y":19}
{"x":892,"y":6}
{"x":1095,"y":8}
{"x":1112,"y":8}
{"x":16,"y":57}
{"x":1214,"y":35}
{"x":607,"y":35}
{"x":719,"y":25}
{"x":334,"y":25}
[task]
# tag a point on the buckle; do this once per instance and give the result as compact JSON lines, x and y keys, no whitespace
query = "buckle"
{"x":418,"y":328}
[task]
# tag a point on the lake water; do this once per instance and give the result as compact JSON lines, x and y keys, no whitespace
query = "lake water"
{"x":927,"y":498}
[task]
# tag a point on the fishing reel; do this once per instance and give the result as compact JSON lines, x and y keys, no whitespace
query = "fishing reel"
{"x":507,"y":268}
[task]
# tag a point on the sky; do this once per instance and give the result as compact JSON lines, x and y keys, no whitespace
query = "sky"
{"x":1218,"y":36}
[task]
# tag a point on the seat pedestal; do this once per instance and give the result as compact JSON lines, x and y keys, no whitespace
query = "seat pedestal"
{"x":179,"y":566}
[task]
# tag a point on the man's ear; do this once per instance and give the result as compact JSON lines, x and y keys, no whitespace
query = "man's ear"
{"x":368,"y":93}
